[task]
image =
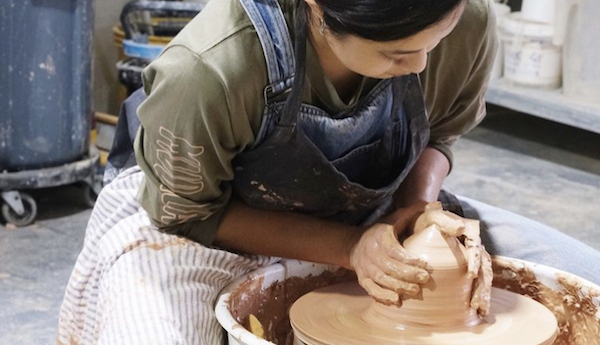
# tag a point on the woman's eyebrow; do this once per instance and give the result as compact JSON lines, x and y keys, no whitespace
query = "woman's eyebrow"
{"x":399,"y":52}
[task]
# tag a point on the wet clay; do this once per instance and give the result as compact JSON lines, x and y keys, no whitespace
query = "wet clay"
{"x":441,"y":314}
{"x":576,"y":307}
{"x":343,"y":314}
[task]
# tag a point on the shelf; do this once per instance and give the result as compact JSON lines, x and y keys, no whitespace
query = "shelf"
{"x":547,"y":104}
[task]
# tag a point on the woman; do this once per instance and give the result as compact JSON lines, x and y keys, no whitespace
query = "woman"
{"x":241,"y":163}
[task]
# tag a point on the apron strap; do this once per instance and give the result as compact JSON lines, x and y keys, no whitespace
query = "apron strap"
{"x":270,"y":25}
{"x":292,"y":106}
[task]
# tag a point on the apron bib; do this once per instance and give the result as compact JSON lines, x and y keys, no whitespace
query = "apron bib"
{"x":345,"y":166}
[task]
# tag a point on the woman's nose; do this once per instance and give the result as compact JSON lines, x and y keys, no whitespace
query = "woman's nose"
{"x":411,"y":63}
{"x":418,"y":61}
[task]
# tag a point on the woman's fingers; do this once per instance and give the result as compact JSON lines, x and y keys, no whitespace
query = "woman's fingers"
{"x":381,"y":295}
{"x":479,"y":266}
{"x":449,"y":223}
{"x":473,"y":257}
{"x":473,"y":246}
{"x":481,"y":298}
{"x":404,"y":270}
{"x":384,"y":268}
{"x":386,"y":281}
{"x":394,"y":250}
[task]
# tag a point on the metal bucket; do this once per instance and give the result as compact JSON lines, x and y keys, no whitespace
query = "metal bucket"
{"x":268,"y":293}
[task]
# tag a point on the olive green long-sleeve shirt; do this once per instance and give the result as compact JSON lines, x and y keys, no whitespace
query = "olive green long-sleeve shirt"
{"x":205,"y":104}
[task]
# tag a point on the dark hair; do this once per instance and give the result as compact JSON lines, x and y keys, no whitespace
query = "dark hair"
{"x":383,"y":20}
{"x":376,"y":20}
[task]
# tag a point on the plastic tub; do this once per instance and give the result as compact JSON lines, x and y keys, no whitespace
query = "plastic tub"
{"x":530,"y":57}
{"x":269,"y":292}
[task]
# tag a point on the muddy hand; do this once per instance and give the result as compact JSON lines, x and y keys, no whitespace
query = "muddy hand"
{"x":384,"y":269}
{"x":449,"y":223}
{"x":479,"y":261}
{"x":480,"y":267}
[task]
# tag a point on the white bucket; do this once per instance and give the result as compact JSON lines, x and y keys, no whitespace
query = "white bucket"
{"x":538,"y":10}
{"x":530,"y":58}
{"x":274,"y":286}
{"x":265,"y":289}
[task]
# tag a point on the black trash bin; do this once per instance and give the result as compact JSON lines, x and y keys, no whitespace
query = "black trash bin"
{"x":45,"y":100}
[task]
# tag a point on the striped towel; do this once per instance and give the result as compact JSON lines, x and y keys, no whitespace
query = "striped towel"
{"x":132,"y":284}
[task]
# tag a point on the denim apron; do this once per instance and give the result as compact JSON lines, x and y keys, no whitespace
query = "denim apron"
{"x":345,"y":166}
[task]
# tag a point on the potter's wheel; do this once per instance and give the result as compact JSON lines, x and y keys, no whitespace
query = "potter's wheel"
{"x":345,"y":314}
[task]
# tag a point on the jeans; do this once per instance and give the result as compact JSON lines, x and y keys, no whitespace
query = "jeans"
{"x":508,"y":234}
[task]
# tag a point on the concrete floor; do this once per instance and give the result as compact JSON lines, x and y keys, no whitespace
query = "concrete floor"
{"x":533,"y":167}
{"x":537,"y":168}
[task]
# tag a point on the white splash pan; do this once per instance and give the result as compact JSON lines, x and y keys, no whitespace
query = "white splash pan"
{"x":238,"y":335}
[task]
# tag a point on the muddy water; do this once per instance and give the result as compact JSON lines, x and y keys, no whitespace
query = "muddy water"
{"x":271,"y":305}
{"x":577,"y":315}
{"x":576,"y":309}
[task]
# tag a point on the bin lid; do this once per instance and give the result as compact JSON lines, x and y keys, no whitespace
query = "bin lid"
{"x":514,"y":24}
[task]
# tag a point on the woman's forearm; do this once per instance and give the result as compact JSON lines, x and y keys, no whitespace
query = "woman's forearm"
{"x":291,"y":235}
{"x":425,"y":180}
{"x":249,"y":230}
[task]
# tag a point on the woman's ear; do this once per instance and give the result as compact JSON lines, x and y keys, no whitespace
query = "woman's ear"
{"x":315,"y":9}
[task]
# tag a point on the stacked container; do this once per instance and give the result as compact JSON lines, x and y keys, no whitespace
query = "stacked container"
{"x":531,"y":58}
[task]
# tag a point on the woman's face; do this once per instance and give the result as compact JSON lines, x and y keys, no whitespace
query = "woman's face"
{"x":388,"y":59}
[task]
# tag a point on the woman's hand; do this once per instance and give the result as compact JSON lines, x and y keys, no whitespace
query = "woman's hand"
{"x":384,"y":269}
{"x":480,"y":268}
{"x":479,"y":260}
{"x":404,"y":218}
